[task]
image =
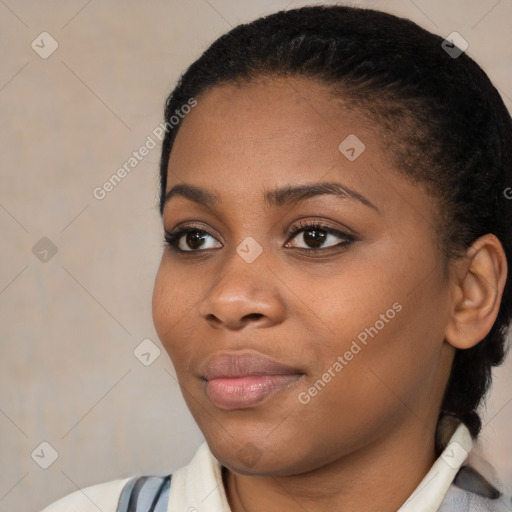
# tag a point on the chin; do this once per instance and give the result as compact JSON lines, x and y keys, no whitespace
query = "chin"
{"x":264,"y":459}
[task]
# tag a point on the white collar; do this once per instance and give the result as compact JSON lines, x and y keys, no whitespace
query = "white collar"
{"x":199,"y":487}
{"x":431,"y":491}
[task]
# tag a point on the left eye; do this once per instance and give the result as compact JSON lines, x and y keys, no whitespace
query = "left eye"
{"x":316,"y":235}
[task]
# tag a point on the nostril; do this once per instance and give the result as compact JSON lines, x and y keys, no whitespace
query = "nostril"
{"x":253,"y":316}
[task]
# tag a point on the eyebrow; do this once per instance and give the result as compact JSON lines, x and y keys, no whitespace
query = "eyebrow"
{"x":273,"y":198}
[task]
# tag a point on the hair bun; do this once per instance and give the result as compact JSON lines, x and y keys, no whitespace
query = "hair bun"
{"x":446,"y":427}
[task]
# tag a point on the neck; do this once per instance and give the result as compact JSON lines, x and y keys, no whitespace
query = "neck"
{"x":377,"y":478}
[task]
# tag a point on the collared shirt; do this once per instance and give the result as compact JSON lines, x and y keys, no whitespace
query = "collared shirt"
{"x":198,"y":487}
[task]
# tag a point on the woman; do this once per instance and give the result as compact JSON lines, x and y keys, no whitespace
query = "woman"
{"x":333,"y":292}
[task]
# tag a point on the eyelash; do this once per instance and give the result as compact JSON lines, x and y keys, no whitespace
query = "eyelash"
{"x":172,"y":238}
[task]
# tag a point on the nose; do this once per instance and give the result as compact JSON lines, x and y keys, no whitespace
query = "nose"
{"x":245,"y":294}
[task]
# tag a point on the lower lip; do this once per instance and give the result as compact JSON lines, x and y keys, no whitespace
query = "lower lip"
{"x":242,"y":392}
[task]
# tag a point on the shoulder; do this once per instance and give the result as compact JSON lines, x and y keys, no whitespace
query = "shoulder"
{"x":104,"y":497}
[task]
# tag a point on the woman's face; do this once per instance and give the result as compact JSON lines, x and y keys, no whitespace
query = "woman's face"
{"x":355,"y":308}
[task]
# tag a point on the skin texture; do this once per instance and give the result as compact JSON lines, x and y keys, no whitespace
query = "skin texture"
{"x":366,"y":440}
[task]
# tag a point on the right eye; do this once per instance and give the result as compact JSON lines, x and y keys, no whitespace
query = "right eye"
{"x":188,"y":236}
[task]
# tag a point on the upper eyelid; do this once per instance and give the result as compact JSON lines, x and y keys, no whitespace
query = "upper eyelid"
{"x":303,"y":225}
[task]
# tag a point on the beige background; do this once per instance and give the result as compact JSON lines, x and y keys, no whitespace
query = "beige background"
{"x":69,"y":325}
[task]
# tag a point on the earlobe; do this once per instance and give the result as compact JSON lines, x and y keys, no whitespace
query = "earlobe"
{"x":477,"y":287}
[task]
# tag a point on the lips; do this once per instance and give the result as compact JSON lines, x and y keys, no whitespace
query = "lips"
{"x":244,"y":380}
{"x":232,"y":365}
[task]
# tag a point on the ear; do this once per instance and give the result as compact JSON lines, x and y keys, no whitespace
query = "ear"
{"x":478,"y":280}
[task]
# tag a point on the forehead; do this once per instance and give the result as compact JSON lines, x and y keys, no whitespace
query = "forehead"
{"x":271,"y":111}
{"x":268,"y":129}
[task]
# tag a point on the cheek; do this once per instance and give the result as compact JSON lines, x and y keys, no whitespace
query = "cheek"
{"x":161,"y":301}
{"x":384,"y":319}
{"x":343,"y":303}
{"x":172,"y":303}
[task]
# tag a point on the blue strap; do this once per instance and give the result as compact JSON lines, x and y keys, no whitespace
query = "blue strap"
{"x":145,"y":494}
